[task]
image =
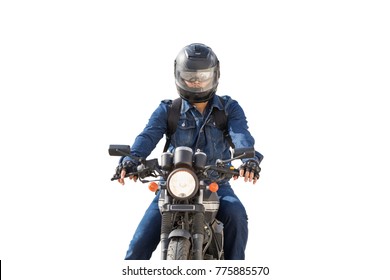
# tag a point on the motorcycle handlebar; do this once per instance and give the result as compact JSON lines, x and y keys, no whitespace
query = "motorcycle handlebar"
{"x":223,"y":170}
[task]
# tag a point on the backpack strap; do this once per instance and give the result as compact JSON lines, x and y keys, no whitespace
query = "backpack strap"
{"x":173,"y":118}
{"x":220,"y":119}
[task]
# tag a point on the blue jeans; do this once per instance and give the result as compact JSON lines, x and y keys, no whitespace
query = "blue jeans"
{"x":231,"y":213}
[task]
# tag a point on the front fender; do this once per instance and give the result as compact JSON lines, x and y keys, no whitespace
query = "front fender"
{"x":179,"y":233}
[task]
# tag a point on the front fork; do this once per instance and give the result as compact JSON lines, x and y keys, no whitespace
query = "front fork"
{"x":166,"y":228}
{"x":198,"y":236}
{"x":196,"y":231}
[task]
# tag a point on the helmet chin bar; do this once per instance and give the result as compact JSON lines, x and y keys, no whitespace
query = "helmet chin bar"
{"x":196,"y":97}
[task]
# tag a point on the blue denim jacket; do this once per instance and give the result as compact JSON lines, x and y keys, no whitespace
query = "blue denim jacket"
{"x":196,"y":130}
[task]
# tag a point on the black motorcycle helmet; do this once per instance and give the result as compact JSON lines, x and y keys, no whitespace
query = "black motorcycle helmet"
{"x":196,"y":73}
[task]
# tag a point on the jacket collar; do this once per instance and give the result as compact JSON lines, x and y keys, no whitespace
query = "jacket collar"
{"x":214,"y":102}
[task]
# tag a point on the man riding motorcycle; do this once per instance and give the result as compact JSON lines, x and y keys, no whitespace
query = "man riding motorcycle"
{"x":197,"y":75}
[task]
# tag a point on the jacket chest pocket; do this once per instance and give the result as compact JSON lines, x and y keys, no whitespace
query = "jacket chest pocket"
{"x":185,"y":133}
{"x":216,"y":143}
{"x":214,"y":131}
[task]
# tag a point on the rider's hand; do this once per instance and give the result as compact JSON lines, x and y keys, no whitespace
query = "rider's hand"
{"x":250,"y":170}
{"x":124,"y":168}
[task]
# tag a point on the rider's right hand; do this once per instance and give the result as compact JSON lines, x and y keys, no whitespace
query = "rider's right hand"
{"x":124,"y":168}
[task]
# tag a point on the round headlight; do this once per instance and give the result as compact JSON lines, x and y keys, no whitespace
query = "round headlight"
{"x":182,"y":183}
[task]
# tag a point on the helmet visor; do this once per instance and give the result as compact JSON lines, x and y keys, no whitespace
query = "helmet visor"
{"x":200,"y":75}
{"x":197,"y":80}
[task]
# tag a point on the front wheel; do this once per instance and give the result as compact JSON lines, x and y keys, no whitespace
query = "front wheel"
{"x":178,"y":249}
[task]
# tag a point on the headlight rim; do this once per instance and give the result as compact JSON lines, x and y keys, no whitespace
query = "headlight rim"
{"x":192,"y":173}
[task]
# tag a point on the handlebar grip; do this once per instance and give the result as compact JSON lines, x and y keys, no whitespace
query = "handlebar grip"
{"x":236,"y":172}
{"x":116,"y":177}
{"x":224,"y":170}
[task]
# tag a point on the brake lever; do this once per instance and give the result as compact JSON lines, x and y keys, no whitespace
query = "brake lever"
{"x":116,"y":177}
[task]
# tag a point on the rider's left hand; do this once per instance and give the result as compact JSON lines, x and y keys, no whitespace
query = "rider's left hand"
{"x":250,"y":170}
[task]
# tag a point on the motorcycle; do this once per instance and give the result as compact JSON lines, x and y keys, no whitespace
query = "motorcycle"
{"x":188,"y":199}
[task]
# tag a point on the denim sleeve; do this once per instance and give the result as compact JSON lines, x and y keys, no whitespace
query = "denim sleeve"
{"x":238,"y":127}
{"x":154,"y":130}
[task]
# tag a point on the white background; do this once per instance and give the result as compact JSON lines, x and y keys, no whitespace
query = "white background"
{"x":312,"y":76}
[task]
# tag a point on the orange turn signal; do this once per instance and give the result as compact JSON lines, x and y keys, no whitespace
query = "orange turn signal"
{"x":213,"y":187}
{"x":153,"y":186}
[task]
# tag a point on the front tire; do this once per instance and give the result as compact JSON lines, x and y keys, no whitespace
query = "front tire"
{"x":178,"y":249}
